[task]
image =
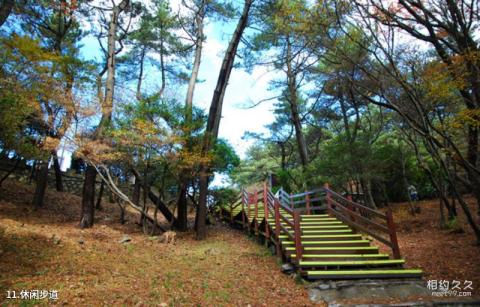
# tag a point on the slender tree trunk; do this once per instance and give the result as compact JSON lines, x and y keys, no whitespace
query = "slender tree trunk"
{"x":122,"y":212}
{"x":88,"y":194}
{"x":107,"y":105}
{"x":196,"y":65}
{"x":98,"y":206}
{"x":161,"y":205}
{"x":9,"y":172}
{"x":468,"y":214}
{"x":182,"y":221}
{"x":33,"y":171}
{"x":162,"y":70}
{"x":88,"y":199}
{"x":369,"y":194}
{"x":443,"y":223}
{"x":293,"y":101}
{"x":136,"y":192}
{"x":214,"y":117}
{"x":41,"y":185}
{"x":201,"y":216}
{"x":140,"y":74}
{"x":58,"y":173}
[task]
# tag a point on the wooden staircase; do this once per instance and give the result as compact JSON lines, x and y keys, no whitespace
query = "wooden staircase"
{"x":323,"y":241}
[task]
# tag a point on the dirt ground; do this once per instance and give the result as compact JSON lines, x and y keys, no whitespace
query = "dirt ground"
{"x":45,"y":250}
{"x":443,"y":254}
{"x":91,"y":268}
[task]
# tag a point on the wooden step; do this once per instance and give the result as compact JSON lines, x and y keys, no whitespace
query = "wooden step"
{"x":321,"y":222}
{"x":327,"y":237}
{"x":324,"y":257}
{"x":310,"y":225}
{"x":359,"y":243}
{"x":337,"y":250}
{"x":353,"y":274}
{"x":319,"y":227}
{"x":327,"y":231}
{"x":352,"y":263}
{"x":314,"y":215}
{"x":321,"y":232}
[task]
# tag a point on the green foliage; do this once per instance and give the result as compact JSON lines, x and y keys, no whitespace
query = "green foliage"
{"x":224,"y":196}
{"x":225,"y":159}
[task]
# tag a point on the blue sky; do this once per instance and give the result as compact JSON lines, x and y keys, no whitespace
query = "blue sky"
{"x":243,"y":89}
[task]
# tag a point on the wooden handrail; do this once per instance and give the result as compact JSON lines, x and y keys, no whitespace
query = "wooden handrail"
{"x":307,"y":193}
{"x":351,"y":213}
{"x":357,"y":205}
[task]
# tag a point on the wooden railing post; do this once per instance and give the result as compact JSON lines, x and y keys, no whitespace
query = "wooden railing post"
{"x":265,"y":206}
{"x":393,"y":234}
{"x":327,"y":197}
{"x":255,"y":200}
{"x":277,"y":226}
{"x":249,"y":220}
{"x":297,"y":235}
{"x":307,"y":202}
{"x":243,"y":208}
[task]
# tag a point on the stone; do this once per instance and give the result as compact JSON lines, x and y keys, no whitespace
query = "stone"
{"x":56,"y":240}
{"x":323,"y":287}
{"x":125,"y":239}
{"x":287,"y":268}
{"x":315,"y":295}
{"x":349,"y":289}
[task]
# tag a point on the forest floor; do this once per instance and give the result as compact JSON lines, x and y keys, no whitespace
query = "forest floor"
{"x":45,"y":249}
{"x":224,"y":270}
{"x":443,"y":254}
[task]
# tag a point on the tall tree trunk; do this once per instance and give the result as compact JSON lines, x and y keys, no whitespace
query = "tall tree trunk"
{"x":443,"y":223}
{"x":88,"y":194}
{"x":136,"y":192}
{"x":5,"y":10}
{"x":368,"y":193}
{"x":182,"y":198}
{"x":41,"y":185}
{"x":214,"y":117}
{"x":293,"y":101}
{"x":98,"y":205}
{"x":140,"y":74}
{"x":196,"y":64}
{"x":88,"y":199}
{"x":182,"y":221}
{"x":33,"y":171}
{"x":58,"y":173}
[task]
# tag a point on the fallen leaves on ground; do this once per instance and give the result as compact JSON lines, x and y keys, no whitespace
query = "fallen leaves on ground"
{"x":45,"y":249}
